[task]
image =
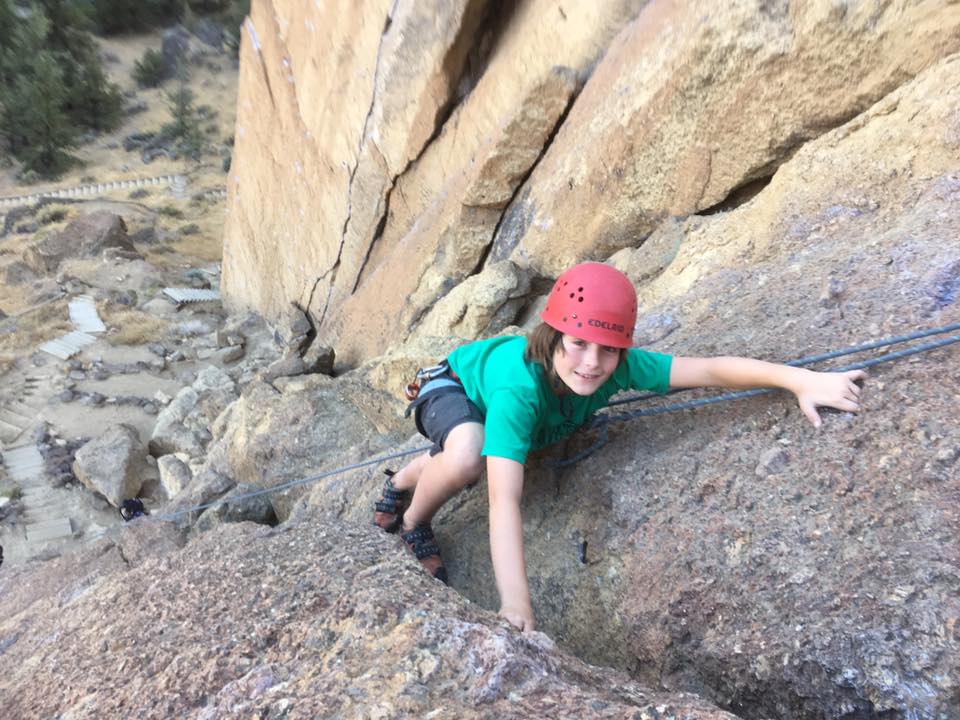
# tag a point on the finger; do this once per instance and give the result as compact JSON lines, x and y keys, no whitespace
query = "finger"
{"x":856,"y":375}
{"x":855,"y":389}
{"x":848,"y":405}
{"x":810,"y":410}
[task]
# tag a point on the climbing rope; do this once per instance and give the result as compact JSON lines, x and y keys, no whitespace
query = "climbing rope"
{"x":602,"y":422}
{"x":810,"y":359}
{"x":294,"y":483}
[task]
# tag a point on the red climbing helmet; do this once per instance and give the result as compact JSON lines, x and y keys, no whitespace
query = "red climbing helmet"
{"x":593,"y":302}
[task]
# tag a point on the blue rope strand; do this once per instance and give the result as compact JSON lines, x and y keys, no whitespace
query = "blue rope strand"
{"x":293,"y":483}
{"x":810,"y":359}
{"x":601,"y":422}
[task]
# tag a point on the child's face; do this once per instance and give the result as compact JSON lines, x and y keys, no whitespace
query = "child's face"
{"x":584,"y":366}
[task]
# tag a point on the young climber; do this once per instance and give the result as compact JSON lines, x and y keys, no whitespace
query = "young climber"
{"x":492,"y":401}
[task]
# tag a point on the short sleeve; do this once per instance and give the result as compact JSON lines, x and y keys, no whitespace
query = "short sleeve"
{"x":648,"y":370}
{"x":509,"y":426}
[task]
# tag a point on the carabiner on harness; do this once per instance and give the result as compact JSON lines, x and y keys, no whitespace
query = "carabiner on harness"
{"x":425,"y":375}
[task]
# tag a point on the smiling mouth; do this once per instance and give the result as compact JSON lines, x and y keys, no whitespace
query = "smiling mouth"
{"x":585,"y":376}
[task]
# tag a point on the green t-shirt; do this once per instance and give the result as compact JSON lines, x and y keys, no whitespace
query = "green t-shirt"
{"x":522,"y":412}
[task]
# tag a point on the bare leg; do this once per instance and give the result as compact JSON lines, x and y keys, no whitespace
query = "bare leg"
{"x":445,"y":474}
{"x":407,"y":478}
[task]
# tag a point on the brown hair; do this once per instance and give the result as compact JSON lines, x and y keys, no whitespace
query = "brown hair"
{"x":542,"y":344}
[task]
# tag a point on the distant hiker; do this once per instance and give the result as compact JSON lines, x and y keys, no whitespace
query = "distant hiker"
{"x":492,"y":401}
{"x":132,"y":508}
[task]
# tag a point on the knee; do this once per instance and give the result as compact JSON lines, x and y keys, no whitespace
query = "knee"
{"x":464,"y":464}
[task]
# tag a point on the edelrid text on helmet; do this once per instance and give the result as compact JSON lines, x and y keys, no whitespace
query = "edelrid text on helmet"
{"x":594,"y":302}
{"x":605,"y":325}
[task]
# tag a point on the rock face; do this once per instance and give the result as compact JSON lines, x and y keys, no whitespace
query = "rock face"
{"x":184,"y":425}
{"x":414,"y":184}
{"x":110,"y":464}
{"x":259,"y":622}
{"x":687,"y":107}
{"x":734,"y":551}
{"x":86,"y":236}
{"x":399,"y":190}
{"x":778,"y":179}
{"x":278,"y":433}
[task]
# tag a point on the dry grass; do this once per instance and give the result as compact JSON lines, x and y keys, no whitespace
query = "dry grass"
{"x":13,"y":298}
{"x":7,"y":363}
{"x":131,"y":327}
{"x":11,"y":490}
{"x":38,"y":326}
{"x":56,"y":215}
{"x":203,"y":245}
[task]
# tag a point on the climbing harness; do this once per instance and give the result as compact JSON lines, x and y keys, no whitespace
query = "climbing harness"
{"x":424,"y":375}
{"x":436,"y":380}
{"x":602,"y":422}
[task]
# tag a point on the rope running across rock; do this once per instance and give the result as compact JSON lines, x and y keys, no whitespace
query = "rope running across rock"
{"x":602,"y":422}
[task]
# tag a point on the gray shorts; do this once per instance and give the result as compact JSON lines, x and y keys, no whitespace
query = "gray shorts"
{"x":439,"y":411}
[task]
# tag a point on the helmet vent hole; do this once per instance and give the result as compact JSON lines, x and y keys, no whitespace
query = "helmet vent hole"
{"x":579,"y":289}
{"x":580,"y":299}
{"x":579,"y":324}
{"x":571,"y":295}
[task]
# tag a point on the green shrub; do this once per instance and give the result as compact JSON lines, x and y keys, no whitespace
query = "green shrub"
{"x":117,"y":16}
{"x":170,"y":211}
{"x":149,"y":70}
{"x":52,"y":214}
{"x":11,"y":491}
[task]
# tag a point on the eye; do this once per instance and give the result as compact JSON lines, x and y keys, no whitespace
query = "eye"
{"x":611,"y":350}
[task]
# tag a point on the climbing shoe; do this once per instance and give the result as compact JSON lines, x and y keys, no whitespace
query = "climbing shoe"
{"x":388,"y":510}
{"x":423,"y":544}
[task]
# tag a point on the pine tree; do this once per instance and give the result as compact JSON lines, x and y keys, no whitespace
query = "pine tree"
{"x":186,"y":122}
{"x":44,"y":132}
{"x":116,"y":16}
{"x":92,"y":101}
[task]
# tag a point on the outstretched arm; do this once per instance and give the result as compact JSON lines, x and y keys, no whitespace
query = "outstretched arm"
{"x":813,"y":389}
{"x":505,"y":485}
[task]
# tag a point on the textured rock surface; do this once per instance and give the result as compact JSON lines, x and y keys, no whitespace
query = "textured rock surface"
{"x":303,"y":621}
{"x":86,"y":236}
{"x":411,"y":269}
{"x":688,"y":106}
{"x":239,"y":505}
{"x":685,"y":110}
{"x":110,"y":464}
{"x":484,"y":304}
{"x":733,"y":550}
{"x":175,"y":475}
{"x":275,"y":434}
{"x":356,"y":182}
{"x":183,"y":426}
